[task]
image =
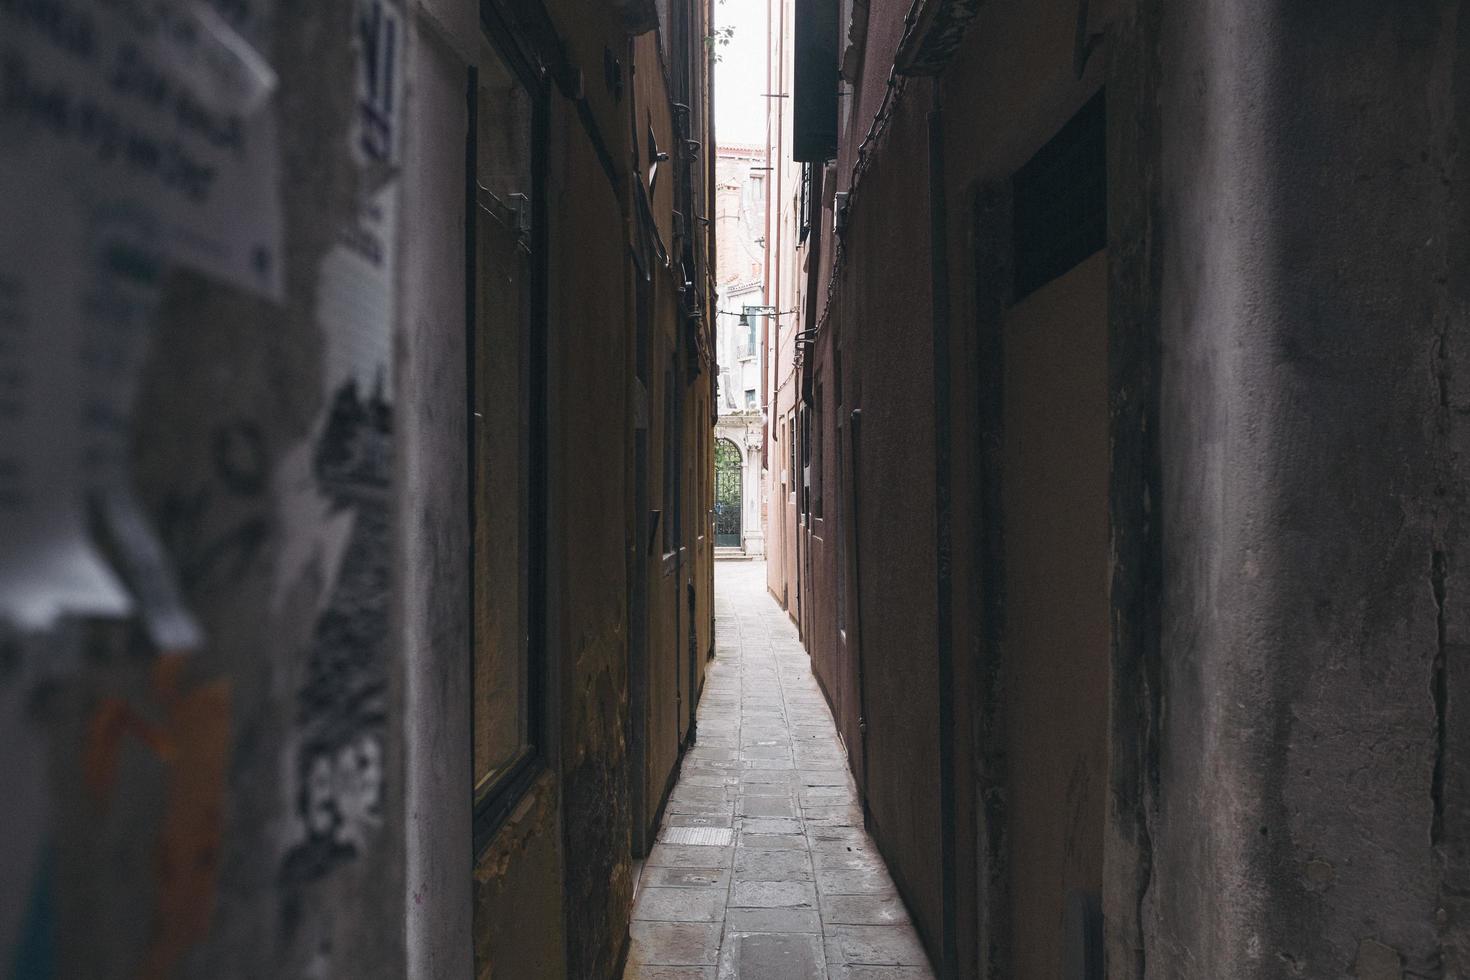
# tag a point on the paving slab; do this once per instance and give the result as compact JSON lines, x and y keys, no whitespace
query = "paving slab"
{"x":680,"y":904}
{"x":674,"y":943}
{"x":772,"y":956}
{"x":773,"y":895}
{"x":802,"y":892}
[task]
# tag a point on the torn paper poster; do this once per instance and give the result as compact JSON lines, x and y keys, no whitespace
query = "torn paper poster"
{"x":119,"y":277}
{"x":119,"y":297}
{"x":335,"y":751}
{"x":48,"y":566}
{"x":117,"y":105}
{"x":355,"y":295}
{"x":379,"y":37}
{"x":355,"y":311}
{"x":149,"y":573}
{"x":355,"y":302}
{"x":143,"y":138}
{"x":220,"y":66}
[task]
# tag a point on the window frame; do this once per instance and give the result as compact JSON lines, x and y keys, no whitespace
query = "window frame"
{"x":491,"y":804}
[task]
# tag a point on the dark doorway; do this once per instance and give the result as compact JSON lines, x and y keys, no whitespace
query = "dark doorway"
{"x":728,"y":494}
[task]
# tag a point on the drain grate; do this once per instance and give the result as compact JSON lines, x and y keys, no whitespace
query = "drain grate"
{"x":708,"y":836}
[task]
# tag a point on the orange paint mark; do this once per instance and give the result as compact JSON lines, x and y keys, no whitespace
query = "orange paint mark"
{"x":193,"y":743}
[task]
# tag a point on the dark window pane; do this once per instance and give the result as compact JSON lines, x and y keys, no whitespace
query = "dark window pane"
{"x":501,"y":425}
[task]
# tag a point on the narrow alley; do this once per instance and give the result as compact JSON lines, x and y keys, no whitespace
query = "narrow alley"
{"x":734,"y":490}
{"x":762,"y":870}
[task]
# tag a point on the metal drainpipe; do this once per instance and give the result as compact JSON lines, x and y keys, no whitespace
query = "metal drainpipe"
{"x":939,"y":282}
{"x":767,"y":385}
{"x":855,"y":435}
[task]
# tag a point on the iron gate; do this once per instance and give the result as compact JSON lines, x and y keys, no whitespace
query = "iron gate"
{"x":727,"y":494}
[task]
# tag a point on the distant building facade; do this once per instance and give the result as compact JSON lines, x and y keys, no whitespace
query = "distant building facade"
{"x":740,"y":202}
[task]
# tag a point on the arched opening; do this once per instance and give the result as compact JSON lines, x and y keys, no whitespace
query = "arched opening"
{"x":729,"y":498}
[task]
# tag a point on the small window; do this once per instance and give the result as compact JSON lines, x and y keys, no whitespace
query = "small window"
{"x":750,"y":399}
{"x":815,"y":464}
{"x":507,"y":392}
{"x":804,"y":204}
{"x":805,"y":425}
{"x":791,"y":450}
{"x":671,"y":465}
{"x":1060,"y":200}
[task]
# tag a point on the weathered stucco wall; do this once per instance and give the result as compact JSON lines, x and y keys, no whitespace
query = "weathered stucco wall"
{"x":1286,"y":225}
{"x":896,"y":531}
{"x":589,"y":604}
{"x":1310,"y":781}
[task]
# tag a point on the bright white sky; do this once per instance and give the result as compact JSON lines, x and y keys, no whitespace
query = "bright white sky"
{"x":740,"y":74}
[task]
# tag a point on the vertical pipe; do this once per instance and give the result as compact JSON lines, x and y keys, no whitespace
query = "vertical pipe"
{"x":939,"y":282}
{"x":471,"y":345}
{"x":991,"y":230}
{"x":855,"y":432}
{"x":767,"y":384}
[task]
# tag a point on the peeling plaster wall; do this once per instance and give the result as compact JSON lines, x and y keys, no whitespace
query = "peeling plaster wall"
{"x":518,"y":896}
{"x":588,"y":604}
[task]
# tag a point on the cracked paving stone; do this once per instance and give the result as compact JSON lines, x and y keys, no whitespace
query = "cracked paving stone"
{"x":863,"y":910}
{"x":772,"y":956}
{"x":869,"y":881}
{"x":674,"y":943}
{"x":773,"y":865}
{"x":766,"y":806}
{"x":875,"y":945}
{"x":686,"y":878}
{"x":680,"y":904}
{"x":689,"y":856}
{"x":773,"y":920}
{"x":773,"y":895}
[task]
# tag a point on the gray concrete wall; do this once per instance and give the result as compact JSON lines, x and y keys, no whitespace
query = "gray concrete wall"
{"x":1310,"y":779}
{"x":435,"y":505}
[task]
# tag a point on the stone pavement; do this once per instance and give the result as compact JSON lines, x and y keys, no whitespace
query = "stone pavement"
{"x":762,"y":870}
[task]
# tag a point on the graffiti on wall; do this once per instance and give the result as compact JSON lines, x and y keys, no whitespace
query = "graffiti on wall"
{"x":342,"y":709}
{"x":342,"y":706}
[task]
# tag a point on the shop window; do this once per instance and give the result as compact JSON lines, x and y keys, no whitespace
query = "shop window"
{"x":791,"y":450}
